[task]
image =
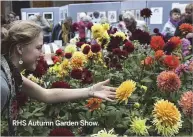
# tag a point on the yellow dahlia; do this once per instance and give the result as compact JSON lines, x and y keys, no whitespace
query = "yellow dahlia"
{"x":168,"y":81}
{"x":106,"y":26}
{"x":166,"y":118}
{"x":97,"y":31}
{"x":120,"y":34}
{"x":82,"y":47}
{"x":125,"y":90}
{"x":138,"y":126}
{"x":104,"y":133}
{"x":186,"y":103}
{"x":70,"y":48}
{"x":64,"y":67}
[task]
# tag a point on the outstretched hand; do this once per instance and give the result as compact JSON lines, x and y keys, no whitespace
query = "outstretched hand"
{"x":104,"y":92}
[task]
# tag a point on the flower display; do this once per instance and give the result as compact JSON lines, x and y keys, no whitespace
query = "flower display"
{"x":181,"y":69}
{"x":138,"y":126}
{"x":106,"y":26}
{"x":61,"y":132}
{"x":166,"y":118}
{"x":87,"y":77}
{"x":168,"y":81}
{"x":94,"y":103}
{"x":125,"y":90}
{"x":120,"y":34}
{"x":157,"y":43}
{"x":185,"y":47}
{"x":186,"y":103}
{"x":145,"y":13}
{"x":186,"y":28}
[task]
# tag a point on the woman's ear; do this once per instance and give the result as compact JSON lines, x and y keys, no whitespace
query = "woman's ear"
{"x":20,"y":49}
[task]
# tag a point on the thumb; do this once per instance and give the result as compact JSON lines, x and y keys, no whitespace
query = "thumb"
{"x":105,"y":82}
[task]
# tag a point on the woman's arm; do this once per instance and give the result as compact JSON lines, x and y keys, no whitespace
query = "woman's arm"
{"x":62,"y":95}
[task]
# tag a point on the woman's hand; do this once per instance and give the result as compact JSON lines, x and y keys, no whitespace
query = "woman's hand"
{"x":104,"y":92}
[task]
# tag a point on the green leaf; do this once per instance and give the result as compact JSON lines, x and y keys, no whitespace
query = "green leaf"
{"x":26,"y":115}
{"x":39,"y":114}
{"x":147,"y":80}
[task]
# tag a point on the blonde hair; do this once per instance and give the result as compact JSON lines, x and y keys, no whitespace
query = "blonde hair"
{"x":19,"y":32}
{"x":189,"y":7}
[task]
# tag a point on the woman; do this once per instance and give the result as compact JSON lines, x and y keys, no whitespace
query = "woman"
{"x":21,"y":49}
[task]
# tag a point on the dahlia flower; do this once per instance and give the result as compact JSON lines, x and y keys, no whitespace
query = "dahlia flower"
{"x":168,"y":81}
{"x":166,"y":118}
{"x":125,"y":90}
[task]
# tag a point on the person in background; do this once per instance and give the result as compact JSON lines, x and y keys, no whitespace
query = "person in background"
{"x":170,"y":26}
{"x":66,"y":30}
{"x":187,"y":19}
{"x":38,"y":19}
{"x":132,"y":24}
{"x":17,"y":18}
{"x":121,"y":25}
{"x":11,"y":17}
{"x":96,"y":17}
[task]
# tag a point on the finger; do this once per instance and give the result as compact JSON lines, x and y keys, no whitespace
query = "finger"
{"x":105,"y":82}
{"x":108,"y":99}
{"x":109,"y":88}
{"x":112,"y":93}
{"x":111,"y":96}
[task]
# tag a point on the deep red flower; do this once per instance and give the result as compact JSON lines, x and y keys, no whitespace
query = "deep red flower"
{"x":76,"y":73}
{"x":41,"y":68}
{"x":21,"y":98}
{"x":55,"y":59}
{"x":128,"y":47}
{"x":118,"y":66}
{"x":95,"y":48}
{"x":142,"y":36}
{"x":145,"y":13}
{"x":171,"y":61}
{"x":61,"y":132}
{"x":117,"y":51}
{"x":68,"y":55}
{"x":124,"y":53}
{"x":79,"y":44}
{"x":156,"y":30}
{"x":75,"y":26}
{"x":59,"y":52}
{"x":60,"y":84}
{"x":169,"y":47}
{"x":86,"y":49}
{"x":114,"y":43}
{"x":89,"y":25}
{"x":87,"y":77}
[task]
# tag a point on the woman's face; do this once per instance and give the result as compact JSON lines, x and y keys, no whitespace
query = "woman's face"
{"x":32,"y":52}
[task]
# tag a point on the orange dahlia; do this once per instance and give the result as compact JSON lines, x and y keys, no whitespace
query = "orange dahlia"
{"x":168,"y":81}
{"x":159,"y":54}
{"x":176,"y":41}
{"x":186,"y":28}
{"x":157,"y":43}
{"x":94,"y":103}
{"x":148,"y":61}
{"x":186,"y":103}
{"x":171,"y":61}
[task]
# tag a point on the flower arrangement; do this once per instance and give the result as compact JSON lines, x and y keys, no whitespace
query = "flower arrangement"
{"x":151,"y":77}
